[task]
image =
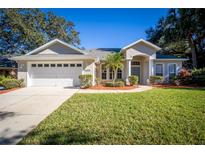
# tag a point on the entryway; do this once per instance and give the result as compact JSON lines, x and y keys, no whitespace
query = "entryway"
{"x":136,"y":69}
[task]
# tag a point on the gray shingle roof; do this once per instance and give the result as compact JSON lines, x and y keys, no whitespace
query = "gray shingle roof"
{"x":54,"y":57}
{"x":163,"y":56}
{"x":101,"y":53}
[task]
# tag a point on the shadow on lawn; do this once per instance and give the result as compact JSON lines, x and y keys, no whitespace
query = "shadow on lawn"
{"x":72,"y":136}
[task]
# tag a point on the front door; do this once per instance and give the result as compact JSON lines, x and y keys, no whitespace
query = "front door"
{"x":135,"y":69}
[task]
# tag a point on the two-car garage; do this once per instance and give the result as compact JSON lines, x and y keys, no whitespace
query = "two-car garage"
{"x":65,"y":74}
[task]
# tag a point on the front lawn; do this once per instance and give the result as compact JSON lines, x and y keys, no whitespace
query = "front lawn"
{"x":158,"y":116}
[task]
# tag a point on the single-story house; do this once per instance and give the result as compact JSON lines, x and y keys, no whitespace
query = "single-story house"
{"x":57,"y":63}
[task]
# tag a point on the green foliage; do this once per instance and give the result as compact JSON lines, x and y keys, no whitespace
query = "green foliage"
{"x":25,"y":29}
{"x":121,"y":80}
{"x":115,"y":84}
{"x":133,"y":79}
{"x":187,"y":25}
{"x":114,"y":61}
{"x":156,"y":79}
{"x":119,"y":84}
{"x":184,"y":77}
{"x":2,"y":77}
{"x":86,"y":80}
{"x":10,"y":83}
{"x":158,"y":116}
{"x":198,"y":76}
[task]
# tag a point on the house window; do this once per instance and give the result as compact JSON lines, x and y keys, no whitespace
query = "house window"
{"x":159,"y":70}
{"x":172,"y":70}
{"x":111,"y":73}
{"x":72,"y":65}
{"x":59,"y":65}
{"x":33,"y":65}
{"x":53,"y":65}
{"x":65,"y":65}
{"x":40,"y":65}
{"x":119,"y":74}
{"x":136,"y":63}
{"x":104,"y":72}
{"x":79,"y":65}
{"x":46,"y":65}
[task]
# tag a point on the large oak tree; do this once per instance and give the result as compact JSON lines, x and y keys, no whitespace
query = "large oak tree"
{"x":182,"y":33}
{"x":22,"y":30}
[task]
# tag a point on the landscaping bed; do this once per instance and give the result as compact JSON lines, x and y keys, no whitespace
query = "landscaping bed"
{"x":103,"y":87}
{"x":176,"y":86}
{"x":7,"y":90}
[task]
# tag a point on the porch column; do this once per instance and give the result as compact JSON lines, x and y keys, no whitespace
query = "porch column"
{"x":128,"y":70}
{"x":151,"y":63}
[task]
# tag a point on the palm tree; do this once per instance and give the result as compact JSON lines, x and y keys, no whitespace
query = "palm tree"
{"x":114,"y":61}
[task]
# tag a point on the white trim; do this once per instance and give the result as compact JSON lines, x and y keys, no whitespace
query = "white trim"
{"x":50,"y":62}
{"x":101,"y":72}
{"x":141,"y":40}
{"x":140,"y":66}
{"x":52,"y":42}
{"x":168,"y":68}
{"x":163,"y":69}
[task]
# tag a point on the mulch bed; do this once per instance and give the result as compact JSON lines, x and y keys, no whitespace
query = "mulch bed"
{"x":102,"y":87}
{"x":8,"y":90}
{"x":175,"y":86}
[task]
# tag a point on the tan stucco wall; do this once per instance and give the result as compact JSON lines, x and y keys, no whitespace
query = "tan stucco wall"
{"x":165,"y":66}
{"x":89,"y":67}
{"x":58,"y":48}
{"x":22,"y":71}
{"x":140,"y":49}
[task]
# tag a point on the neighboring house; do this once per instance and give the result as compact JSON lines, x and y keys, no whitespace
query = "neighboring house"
{"x":8,"y":67}
{"x":60,"y":64}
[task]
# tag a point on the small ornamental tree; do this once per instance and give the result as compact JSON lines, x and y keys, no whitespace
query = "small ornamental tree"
{"x":114,"y":61}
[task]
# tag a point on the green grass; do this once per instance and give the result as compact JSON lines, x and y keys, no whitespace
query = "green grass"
{"x":158,"y":116}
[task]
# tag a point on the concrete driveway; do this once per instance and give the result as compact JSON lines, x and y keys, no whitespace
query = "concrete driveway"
{"x":22,"y":110}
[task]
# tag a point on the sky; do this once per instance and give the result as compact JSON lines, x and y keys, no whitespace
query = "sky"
{"x":110,"y":28}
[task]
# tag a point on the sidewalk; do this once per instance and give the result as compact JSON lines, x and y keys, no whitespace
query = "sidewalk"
{"x":139,"y":89}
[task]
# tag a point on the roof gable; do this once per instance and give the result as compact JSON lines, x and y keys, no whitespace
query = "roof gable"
{"x":141,"y":41}
{"x":56,"y":47}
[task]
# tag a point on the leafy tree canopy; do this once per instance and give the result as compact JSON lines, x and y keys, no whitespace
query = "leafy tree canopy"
{"x":182,"y":33}
{"x":25,"y":29}
{"x":114,"y":61}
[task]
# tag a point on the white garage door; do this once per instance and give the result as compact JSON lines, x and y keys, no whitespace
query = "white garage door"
{"x":54,"y":74}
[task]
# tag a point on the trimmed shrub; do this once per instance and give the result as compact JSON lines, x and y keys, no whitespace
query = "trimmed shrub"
{"x":119,"y":84}
{"x":198,"y":76}
{"x":9,"y":83}
{"x":184,"y":77}
{"x":109,"y":84}
{"x":20,"y":82}
{"x":115,"y":84}
{"x":133,"y":79}
{"x":85,"y":80}
{"x":155,"y":79}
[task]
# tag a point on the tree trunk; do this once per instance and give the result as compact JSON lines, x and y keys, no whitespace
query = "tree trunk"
{"x":193,"y":52}
{"x":115,"y":75}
